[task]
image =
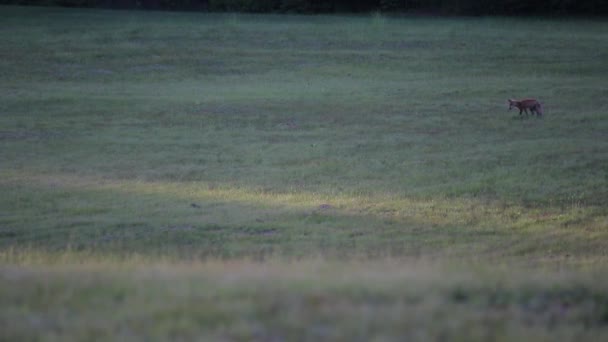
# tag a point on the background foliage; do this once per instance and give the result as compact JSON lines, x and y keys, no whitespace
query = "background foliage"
{"x":460,"y":7}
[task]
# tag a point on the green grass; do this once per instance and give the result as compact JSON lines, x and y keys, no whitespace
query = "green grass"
{"x":250,"y":177}
{"x":317,"y":301}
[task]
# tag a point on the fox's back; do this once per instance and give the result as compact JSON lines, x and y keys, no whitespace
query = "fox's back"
{"x":528,"y":103}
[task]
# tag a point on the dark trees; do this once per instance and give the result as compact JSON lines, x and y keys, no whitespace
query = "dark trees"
{"x":460,"y":7}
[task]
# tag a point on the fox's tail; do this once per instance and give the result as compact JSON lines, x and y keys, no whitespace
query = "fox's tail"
{"x":540,"y":108}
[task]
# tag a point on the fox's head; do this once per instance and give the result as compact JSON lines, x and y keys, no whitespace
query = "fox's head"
{"x":511,"y":103}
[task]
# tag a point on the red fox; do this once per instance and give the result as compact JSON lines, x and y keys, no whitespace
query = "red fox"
{"x":523,"y":105}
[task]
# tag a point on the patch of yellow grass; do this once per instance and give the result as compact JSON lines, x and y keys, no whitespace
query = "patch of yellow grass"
{"x":431,"y":211}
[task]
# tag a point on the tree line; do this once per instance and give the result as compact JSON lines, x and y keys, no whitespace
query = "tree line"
{"x":459,"y":7}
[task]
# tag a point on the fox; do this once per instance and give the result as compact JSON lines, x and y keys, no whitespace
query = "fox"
{"x":523,"y":105}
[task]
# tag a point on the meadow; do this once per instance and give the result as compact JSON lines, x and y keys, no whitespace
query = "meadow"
{"x":192,"y":176}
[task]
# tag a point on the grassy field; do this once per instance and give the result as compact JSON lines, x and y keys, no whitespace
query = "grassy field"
{"x":269,"y":178}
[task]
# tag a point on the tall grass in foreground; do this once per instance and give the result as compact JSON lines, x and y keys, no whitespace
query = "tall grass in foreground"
{"x":318,"y":300}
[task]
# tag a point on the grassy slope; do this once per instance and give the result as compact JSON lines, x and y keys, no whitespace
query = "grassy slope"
{"x":129,"y":138}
